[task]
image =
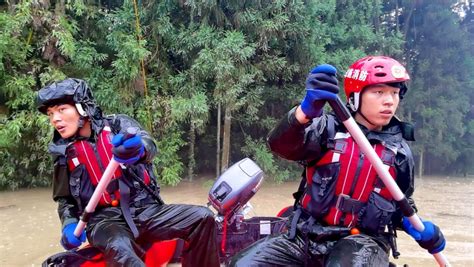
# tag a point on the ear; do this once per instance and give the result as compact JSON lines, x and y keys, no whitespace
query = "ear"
{"x":81,"y":110}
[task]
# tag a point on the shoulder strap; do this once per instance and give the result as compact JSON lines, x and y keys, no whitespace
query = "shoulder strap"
{"x":331,"y":127}
{"x":409,"y":155}
{"x":298,"y":194}
{"x":408,"y":131}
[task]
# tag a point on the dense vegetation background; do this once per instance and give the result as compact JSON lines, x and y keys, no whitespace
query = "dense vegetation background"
{"x":210,"y":78}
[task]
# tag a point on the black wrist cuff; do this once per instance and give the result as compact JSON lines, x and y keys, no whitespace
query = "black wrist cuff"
{"x":435,"y":242}
{"x":292,"y":121}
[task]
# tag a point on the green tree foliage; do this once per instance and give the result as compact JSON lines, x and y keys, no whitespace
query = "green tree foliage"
{"x":440,"y":97}
{"x":22,"y":132}
{"x":191,"y":64}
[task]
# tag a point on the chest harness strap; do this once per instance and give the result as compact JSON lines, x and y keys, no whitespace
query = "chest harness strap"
{"x":354,"y":181}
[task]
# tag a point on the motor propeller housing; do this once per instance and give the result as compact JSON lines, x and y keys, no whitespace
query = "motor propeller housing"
{"x":235,"y":186}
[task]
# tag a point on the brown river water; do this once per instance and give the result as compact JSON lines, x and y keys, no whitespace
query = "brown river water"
{"x":30,"y":229}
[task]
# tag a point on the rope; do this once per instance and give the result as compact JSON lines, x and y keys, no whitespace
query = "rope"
{"x":142,"y":61}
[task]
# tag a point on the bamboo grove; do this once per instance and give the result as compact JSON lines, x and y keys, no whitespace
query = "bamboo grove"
{"x":210,"y":78}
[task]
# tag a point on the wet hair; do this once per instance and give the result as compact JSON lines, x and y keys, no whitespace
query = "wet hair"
{"x":401,"y":85}
{"x":56,"y":102}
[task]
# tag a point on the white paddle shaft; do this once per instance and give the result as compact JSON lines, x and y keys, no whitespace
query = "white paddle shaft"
{"x":343,"y":114}
{"x":99,"y":190}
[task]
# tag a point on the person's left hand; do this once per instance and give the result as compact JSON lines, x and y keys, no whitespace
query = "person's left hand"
{"x":128,"y":148}
{"x":69,"y":240}
{"x":431,"y":238}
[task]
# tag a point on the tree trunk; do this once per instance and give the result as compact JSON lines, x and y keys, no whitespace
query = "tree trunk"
{"x":397,"y":19}
{"x":408,"y":20}
{"x":376,"y":21}
{"x":192,"y":142}
{"x":420,"y":164}
{"x":60,"y":8}
{"x":218,"y":141}
{"x":11,"y":6}
{"x":226,"y":139}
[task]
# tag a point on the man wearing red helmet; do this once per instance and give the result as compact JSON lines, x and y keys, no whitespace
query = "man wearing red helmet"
{"x":343,"y":214}
{"x":372,"y":73}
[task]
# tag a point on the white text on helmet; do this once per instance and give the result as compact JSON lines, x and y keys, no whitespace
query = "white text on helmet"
{"x":356,"y":74}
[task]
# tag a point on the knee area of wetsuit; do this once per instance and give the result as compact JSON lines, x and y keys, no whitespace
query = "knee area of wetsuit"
{"x":119,"y":244}
{"x":206,"y":213}
{"x":357,"y":250}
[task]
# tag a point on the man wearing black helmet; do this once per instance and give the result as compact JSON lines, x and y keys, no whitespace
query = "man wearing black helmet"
{"x":130,"y":213}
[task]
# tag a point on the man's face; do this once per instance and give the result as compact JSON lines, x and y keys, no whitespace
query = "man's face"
{"x":64,"y":118}
{"x":378,"y":105}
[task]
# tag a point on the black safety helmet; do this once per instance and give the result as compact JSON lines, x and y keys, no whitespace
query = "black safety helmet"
{"x":70,"y":91}
{"x":74,"y":91}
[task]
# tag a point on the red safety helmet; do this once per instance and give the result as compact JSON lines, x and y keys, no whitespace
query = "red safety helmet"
{"x":372,"y":70}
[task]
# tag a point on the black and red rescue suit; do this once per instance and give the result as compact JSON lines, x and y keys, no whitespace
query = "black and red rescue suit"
{"x":340,"y":191}
{"x":130,"y":215}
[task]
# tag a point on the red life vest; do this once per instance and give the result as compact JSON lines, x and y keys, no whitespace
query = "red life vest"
{"x":95,"y":158}
{"x":340,"y":183}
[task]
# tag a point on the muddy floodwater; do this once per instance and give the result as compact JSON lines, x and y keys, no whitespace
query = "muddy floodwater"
{"x":30,"y":229}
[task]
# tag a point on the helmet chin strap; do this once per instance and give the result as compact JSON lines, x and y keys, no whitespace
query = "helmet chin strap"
{"x":82,"y":115}
{"x":82,"y":122}
{"x":359,"y":110}
{"x":80,"y":125}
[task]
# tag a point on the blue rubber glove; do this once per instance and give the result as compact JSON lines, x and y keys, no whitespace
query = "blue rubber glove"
{"x":321,"y":85}
{"x":69,"y":240}
{"x":431,"y":238}
{"x":128,"y":148}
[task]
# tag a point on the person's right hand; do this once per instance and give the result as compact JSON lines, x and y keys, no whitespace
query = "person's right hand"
{"x":69,"y":240}
{"x":321,"y":85}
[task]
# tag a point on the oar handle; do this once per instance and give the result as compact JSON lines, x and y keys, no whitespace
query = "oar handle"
{"x":99,"y":190}
{"x":343,"y":114}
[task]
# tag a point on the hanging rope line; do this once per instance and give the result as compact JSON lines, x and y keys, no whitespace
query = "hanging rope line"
{"x":142,"y":61}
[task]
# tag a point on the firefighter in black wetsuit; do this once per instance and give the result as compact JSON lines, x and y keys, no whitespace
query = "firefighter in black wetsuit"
{"x":130,"y":213}
{"x":341,"y":192}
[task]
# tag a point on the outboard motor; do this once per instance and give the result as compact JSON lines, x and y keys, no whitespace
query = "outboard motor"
{"x":235,"y":187}
{"x":229,"y":196}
